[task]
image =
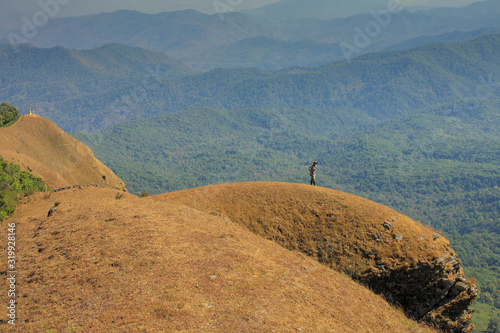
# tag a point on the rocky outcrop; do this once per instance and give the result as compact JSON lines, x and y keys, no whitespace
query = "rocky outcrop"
{"x":436,"y":292}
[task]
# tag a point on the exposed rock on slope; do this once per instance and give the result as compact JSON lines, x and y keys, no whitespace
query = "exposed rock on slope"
{"x":37,"y":144}
{"x":104,"y":262}
{"x":395,"y":256}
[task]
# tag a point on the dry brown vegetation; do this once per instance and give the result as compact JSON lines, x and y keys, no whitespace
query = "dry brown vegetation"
{"x":407,"y":262}
{"x":344,"y":231}
{"x":99,"y":264}
{"x":38,"y":144}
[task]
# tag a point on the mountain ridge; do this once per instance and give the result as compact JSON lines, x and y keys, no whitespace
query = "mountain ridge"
{"x":38,"y":145}
{"x":341,"y":231}
{"x":200,"y":39}
{"x":436,"y":73}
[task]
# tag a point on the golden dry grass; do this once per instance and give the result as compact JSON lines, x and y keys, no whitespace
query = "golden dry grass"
{"x":53,"y":155}
{"x":344,"y":231}
{"x":156,"y":264}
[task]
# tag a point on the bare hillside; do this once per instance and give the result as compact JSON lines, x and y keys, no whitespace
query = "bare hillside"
{"x":108,"y":261}
{"x":37,"y":144}
{"x":407,"y":262}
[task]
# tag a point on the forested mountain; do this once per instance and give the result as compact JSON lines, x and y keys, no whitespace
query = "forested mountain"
{"x":231,"y":39}
{"x":368,"y":88}
{"x":47,"y":79}
{"x":113,"y":62}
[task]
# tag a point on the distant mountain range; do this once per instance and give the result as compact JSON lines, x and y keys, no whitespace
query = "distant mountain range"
{"x":47,"y":79}
{"x":268,"y":38}
{"x":90,"y":90}
{"x":452,"y":37}
{"x":445,"y":3}
{"x":285,"y":10}
{"x":414,"y":128}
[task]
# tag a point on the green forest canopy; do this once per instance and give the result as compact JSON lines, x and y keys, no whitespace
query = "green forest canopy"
{"x":8,"y":114}
{"x":15,"y":183}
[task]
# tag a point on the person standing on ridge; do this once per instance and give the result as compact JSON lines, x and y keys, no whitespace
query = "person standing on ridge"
{"x":312,"y":172}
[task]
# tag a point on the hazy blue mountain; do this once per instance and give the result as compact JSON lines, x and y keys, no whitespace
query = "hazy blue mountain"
{"x":79,"y":98}
{"x":446,"y":3}
{"x":266,"y":53}
{"x":245,"y":40}
{"x":456,"y":36}
{"x":313,"y":42}
{"x":47,"y":78}
{"x":285,"y":10}
{"x":394,"y":28}
{"x":486,"y":10}
{"x":175,"y":33}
